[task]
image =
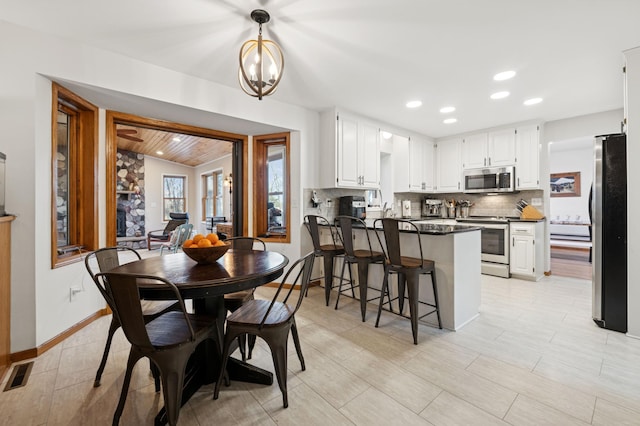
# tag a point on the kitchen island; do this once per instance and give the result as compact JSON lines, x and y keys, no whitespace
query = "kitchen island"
{"x":455,"y":249}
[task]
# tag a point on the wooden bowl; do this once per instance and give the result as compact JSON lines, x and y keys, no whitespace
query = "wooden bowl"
{"x":206,"y":255}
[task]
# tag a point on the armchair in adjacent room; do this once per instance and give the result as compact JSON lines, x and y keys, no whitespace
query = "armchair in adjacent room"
{"x":163,"y":235}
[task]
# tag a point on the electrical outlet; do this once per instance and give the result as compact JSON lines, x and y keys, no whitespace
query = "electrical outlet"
{"x":73,"y":291}
{"x":536,"y":201}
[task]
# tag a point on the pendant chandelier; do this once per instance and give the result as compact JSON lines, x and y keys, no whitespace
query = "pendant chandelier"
{"x":261,"y":62}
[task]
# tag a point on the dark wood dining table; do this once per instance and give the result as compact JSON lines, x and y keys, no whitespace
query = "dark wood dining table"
{"x":206,"y":285}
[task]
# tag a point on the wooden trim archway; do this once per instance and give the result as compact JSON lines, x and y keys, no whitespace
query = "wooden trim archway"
{"x":113,"y":118}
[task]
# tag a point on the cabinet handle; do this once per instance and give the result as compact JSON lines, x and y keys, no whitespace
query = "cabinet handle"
{"x":489,"y":160}
{"x":518,"y":181}
{"x":513,"y":241}
{"x":458,"y":185}
{"x":485,"y":161}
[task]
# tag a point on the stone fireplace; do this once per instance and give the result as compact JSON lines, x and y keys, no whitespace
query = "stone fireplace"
{"x":130,"y":215}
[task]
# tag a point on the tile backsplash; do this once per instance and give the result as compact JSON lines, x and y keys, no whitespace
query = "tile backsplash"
{"x":483,"y":205}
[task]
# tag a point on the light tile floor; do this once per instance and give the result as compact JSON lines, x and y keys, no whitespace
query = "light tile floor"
{"x":533,"y":357}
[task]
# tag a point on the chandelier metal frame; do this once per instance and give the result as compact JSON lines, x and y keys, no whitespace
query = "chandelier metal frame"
{"x":252,"y":80}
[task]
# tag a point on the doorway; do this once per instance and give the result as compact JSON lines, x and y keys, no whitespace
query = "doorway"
{"x":179,"y":143}
{"x":569,"y":222}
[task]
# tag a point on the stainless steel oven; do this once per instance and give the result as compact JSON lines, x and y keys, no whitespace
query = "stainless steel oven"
{"x":494,"y":244}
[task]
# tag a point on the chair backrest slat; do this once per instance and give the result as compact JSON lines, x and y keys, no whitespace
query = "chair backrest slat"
{"x":302,"y":267}
{"x":246,"y":243}
{"x":107,"y":258}
{"x":346,"y":224}
{"x":125,"y":294}
{"x":313,"y":223}
{"x":391,"y":231}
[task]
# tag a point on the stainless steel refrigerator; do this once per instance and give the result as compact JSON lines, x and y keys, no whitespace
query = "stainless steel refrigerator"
{"x":609,"y":221}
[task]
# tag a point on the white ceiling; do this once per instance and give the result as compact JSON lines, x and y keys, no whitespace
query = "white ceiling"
{"x":372,"y":56}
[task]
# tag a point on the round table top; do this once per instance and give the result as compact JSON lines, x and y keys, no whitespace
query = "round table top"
{"x":236,"y":270}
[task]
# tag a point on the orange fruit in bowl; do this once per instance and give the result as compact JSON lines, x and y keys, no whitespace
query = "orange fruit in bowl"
{"x":219,"y":243}
{"x":193,"y":246}
{"x":204,"y":243}
{"x":197,"y":238}
{"x":187,"y":243}
{"x":213,"y":238}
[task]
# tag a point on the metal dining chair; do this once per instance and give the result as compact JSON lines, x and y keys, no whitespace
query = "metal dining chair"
{"x":233,"y":301}
{"x":328,"y":251}
{"x":271,"y":320}
{"x":408,"y":270}
{"x":103,"y":260}
{"x":361,"y":257}
{"x":168,"y":340}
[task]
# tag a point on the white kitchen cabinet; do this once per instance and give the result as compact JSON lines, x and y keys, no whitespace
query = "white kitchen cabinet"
{"x":350,"y":151}
{"x":493,"y":149}
{"x":528,"y":157}
{"x":474,"y":151}
{"x":501,"y":148}
{"x":448,"y":166}
{"x":421,"y":165}
{"x":527,"y":251}
{"x":413,"y":160}
{"x":369,"y":154}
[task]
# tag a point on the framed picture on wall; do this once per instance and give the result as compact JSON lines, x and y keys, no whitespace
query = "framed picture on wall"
{"x":565,"y":184}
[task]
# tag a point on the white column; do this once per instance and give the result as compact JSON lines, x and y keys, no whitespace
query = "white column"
{"x":632,"y":114}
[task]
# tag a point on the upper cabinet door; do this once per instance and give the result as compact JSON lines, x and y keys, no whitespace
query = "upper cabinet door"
{"x":369,"y":155}
{"x":448,"y":178}
{"x":528,"y":157}
{"x":416,"y":158}
{"x":474,"y":151}
{"x":502,"y":148}
{"x":428,"y":166}
{"x":348,"y":171}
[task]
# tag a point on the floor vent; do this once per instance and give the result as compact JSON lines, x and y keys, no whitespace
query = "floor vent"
{"x":19,"y":376}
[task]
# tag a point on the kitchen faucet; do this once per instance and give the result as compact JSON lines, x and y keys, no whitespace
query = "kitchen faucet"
{"x":386,"y":210}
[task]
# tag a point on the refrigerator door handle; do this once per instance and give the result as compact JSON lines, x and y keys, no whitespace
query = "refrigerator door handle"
{"x":596,"y":211}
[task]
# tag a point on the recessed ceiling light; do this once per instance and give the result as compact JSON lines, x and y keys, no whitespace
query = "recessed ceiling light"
{"x":176,"y":139}
{"x":414,"y":104}
{"x":500,"y":95}
{"x":450,"y":120}
{"x":532,"y":101}
{"x":505,"y":75}
{"x":159,"y":152}
{"x":447,"y":109}
{"x":386,"y":135}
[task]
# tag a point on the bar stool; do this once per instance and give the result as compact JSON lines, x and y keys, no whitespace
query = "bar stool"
{"x":408,"y":269}
{"x":327,"y":251}
{"x":362,"y":257}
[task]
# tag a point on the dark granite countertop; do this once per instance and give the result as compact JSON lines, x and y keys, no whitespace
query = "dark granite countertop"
{"x":428,"y":228}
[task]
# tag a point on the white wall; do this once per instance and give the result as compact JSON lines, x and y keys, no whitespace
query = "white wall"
{"x":40,"y":296}
{"x":590,"y":125}
{"x":154,"y":169}
{"x":632,"y":113}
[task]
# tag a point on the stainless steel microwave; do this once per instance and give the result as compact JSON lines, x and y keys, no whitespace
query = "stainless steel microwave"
{"x":490,"y":179}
